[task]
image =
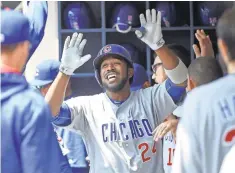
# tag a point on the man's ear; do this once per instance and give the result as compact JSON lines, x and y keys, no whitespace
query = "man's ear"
{"x":130,"y":72}
{"x":223,"y":50}
{"x":146,"y":84}
{"x":191,"y":84}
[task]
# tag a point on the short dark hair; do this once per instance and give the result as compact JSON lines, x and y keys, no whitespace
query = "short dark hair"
{"x":226,"y":30}
{"x":181,"y":52}
{"x":204,"y":70}
{"x":8,"y":48}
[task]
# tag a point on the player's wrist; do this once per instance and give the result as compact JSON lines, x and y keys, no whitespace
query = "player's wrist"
{"x":158,"y":45}
{"x":66,"y":70}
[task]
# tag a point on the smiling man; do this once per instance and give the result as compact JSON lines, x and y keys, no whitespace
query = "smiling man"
{"x":117,"y":125}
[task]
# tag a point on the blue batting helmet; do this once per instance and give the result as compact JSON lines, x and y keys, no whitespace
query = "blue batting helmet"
{"x":77,"y":16}
{"x":210,"y":12}
{"x":110,"y":49}
{"x":168,"y":13}
{"x":124,"y":17}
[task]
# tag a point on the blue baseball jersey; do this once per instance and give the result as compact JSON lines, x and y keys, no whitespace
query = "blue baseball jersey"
{"x":206,"y":131}
{"x":28,"y":142}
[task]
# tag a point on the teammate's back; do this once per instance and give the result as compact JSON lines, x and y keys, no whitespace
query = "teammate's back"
{"x":208,"y":129}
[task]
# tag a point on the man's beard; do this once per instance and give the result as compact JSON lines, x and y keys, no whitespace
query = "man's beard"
{"x":117,"y":87}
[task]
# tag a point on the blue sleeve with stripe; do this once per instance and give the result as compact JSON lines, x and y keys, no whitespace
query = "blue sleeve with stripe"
{"x":64,"y":116}
{"x":176,"y":92}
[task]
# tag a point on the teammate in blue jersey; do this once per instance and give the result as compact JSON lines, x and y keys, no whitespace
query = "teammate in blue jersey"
{"x":28,"y":143}
{"x":206,"y":131}
{"x":117,"y":125}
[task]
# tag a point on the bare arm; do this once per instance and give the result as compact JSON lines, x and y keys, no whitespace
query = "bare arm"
{"x":151,"y":33}
{"x":56,"y":93}
{"x":71,"y":60}
{"x":205,"y":48}
{"x":168,"y":58}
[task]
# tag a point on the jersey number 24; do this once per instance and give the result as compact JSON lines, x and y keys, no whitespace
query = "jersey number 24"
{"x":145,"y":148}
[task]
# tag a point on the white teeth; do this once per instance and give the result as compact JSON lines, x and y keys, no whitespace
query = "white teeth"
{"x":111,"y":76}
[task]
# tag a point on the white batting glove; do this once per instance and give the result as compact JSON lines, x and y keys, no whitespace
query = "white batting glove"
{"x":72,"y":54}
{"x":150,"y":31}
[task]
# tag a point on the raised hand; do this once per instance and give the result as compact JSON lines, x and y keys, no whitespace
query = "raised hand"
{"x":206,"y":49}
{"x":72,"y":57}
{"x":150,"y":31}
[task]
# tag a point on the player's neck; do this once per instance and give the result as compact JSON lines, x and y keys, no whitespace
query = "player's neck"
{"x":10,"y":62}
{"x":118,"y":96}
{"x":231,"y":67}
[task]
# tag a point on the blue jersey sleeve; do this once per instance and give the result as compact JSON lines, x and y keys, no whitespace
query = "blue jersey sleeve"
{"x":40,"y":150}
{"x":37,"y":14}
{"x":64,"y":116}
{"x":177,"y":93}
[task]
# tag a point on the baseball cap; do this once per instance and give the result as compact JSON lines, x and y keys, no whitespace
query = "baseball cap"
{"x":14,"y":27}
{"x":139,"y":78}
{"x":46,"y":72}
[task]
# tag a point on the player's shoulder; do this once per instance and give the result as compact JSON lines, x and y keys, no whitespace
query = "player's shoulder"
{"x":30,"y":100}
{"x":214,"y":89}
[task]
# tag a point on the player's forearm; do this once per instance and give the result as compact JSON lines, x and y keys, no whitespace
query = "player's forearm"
{"x":56,"y":93}
{"x":168,"y":58}
{"x":174,"y":67}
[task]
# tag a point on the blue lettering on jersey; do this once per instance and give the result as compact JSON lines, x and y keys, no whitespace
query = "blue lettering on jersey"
{"x":133,"y":131}
{"x":138,"y":128}
{"x":104,"y":126}
{"x":122,"y":126}
{"x":130,"y":130}
{"x":227,"y":109}
{"x":147,"y":127}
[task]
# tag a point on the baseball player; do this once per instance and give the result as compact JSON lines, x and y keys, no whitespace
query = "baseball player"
{"x":140,"y":78}
{"x":160,"y":76}
{"x":117,"y":125}
{"x":167,"y":129}
{"x":71,"y":143}
{"x":205,"y":133}
{"x":29,"y":143}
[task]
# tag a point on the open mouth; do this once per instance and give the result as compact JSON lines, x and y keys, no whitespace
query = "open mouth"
{"x":111,"y":77}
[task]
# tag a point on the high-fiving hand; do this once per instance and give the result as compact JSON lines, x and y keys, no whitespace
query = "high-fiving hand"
{"x":72,"y":54}
{"x":206,"y":48}
{"x":170,"y":124}
{"x":150,"y":31}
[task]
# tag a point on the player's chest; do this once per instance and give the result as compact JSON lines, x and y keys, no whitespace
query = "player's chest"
{"x":122,"y":124}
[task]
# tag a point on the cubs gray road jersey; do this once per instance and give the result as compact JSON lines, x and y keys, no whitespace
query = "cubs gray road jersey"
{"x":119,"y":139}
{"x":206,"y":131}
{"x":169,"y":145}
